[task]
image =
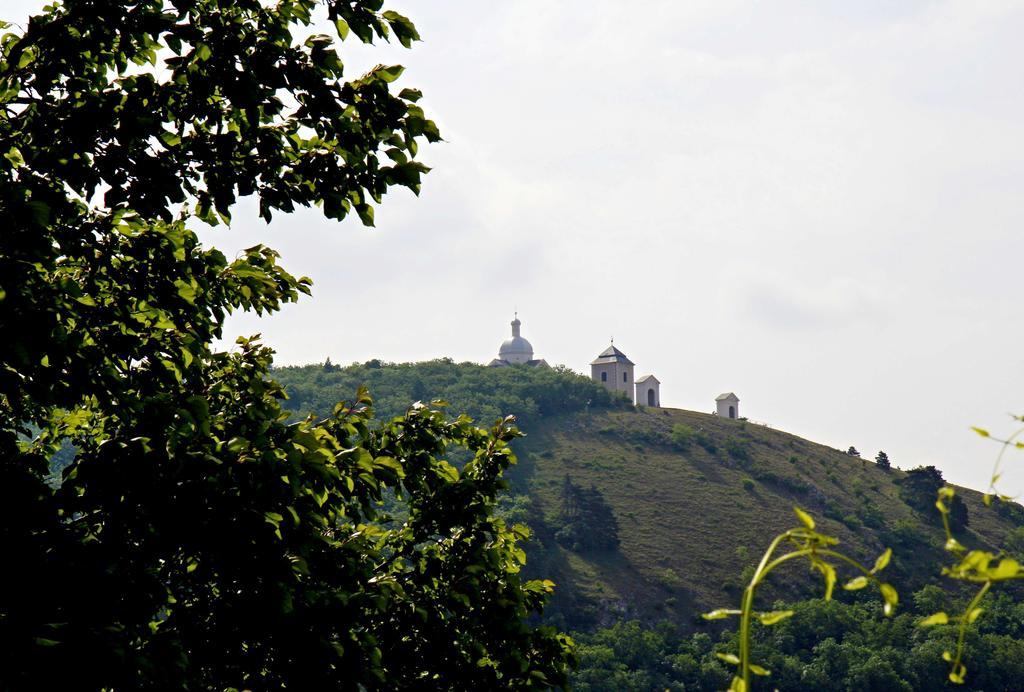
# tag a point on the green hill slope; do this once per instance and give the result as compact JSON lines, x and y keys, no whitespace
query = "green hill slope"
{"x":696,"y":497}
{"x":695,"y":513}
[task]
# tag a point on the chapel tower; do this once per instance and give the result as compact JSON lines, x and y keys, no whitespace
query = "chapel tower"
{"x":614,"y":370}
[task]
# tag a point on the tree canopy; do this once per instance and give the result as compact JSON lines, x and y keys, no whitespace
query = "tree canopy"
{"x":198,"y":539}
{"x":486,"y":394}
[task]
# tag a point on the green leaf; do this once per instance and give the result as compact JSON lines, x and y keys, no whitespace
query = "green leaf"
{"x":829,"y":573}
{"x":974,"y":615}
{"x":774,"y":616}
{"x":365,"y":212}
{"x":856,"y":583}
{"x":14,"y":156}
{"x":729,"y":658}
{"x":391,"y":463}
{"x":412,"y":95}
{"x":882,"y":561}
{"x":186,"y":291}
{"x":404,"y":29}
{"x":389,"y":73}
{"x":980,"y":431}
{"x":40,"y":212}
{"x":891,"y":597}
{"x":1007,"y":568}
{"x":804,"y":518}
{"x":720,"y":614}
{"x":758,"y":670}
{"x":936,"y":619}
{"x":342,"y":27}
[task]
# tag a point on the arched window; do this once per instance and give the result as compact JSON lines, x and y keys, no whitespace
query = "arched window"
{"x":624,"y":377}
{"x":604,"y":377}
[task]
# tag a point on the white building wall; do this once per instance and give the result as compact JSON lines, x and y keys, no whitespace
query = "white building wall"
{"x":723,"y":408}
{"x":620,"y":377}
{"x":642,"y":397}
{"x":517,"y":358}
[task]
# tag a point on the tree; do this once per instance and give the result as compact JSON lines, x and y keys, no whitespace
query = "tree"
{"x":198,"y":540}
{"x":587,"y":520}
{"x":919,"y":489}
{"x":883,"y":461}
{"x":852,"y":451}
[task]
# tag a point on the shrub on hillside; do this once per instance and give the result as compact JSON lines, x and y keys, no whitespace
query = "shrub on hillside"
{"x":682,"y":435}
{"x":918,"y":489}
{"x":737,"y":449}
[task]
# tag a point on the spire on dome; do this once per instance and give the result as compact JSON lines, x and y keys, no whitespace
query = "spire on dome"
{"x":515,"y":324}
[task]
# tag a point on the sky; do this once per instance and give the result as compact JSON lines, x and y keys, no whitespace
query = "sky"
{"x":816,"y":205}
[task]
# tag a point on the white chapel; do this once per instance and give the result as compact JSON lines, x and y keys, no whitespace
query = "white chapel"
{"x":517,"y":350}
{"x":615,"y":371}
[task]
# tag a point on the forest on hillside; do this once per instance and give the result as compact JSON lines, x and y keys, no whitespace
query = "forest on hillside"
{"x":485,"y":394}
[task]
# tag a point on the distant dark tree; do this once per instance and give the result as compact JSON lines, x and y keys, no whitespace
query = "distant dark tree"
{"x":883,"y":461}
{"x":919,"y":490}
{"x":852,"y":451}
{"x":587,"y":521}
{"x":328,"y":366}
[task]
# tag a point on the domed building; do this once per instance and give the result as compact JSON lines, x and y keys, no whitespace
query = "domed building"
{"x":516,"y":351}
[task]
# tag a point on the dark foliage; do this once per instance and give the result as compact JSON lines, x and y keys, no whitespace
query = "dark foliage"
{"x":823,"y":647}
{"x":586,"y":521}
{"x":485,"y":394}
{"x":196,"y":539}
{"x":883,"y":461}
{"x":919,"y":488}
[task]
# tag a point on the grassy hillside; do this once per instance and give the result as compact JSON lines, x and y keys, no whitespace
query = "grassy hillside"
{"x":694,"y":513}
{"x":696,"y":497}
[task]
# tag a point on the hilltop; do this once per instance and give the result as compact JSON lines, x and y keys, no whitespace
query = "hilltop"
{"x":696,"y":497}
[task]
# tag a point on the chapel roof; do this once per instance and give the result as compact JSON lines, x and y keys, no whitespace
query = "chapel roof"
{"x":611,"y":355}
{"x":726,"y":397}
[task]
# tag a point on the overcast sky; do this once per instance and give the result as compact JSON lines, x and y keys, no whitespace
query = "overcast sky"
{"x":816,"y":205}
